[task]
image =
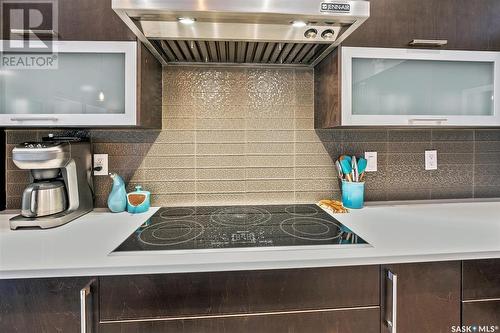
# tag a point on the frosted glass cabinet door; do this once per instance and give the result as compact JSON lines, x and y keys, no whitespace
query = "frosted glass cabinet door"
{"x":419,"y":87}
{"x":86,"y":84}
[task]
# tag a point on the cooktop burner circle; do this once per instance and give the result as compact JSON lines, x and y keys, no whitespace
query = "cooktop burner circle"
{"x":311,"y":228}
{"x":240,"y":216}
{"x":171,"y":233}
{"x":301,"y":210}
{"x":323,"y":229}
{"x":168,"y":234}
{"x":176,"y":213}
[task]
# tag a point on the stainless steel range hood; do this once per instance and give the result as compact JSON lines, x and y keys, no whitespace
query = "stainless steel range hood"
{"x":266,"y":32}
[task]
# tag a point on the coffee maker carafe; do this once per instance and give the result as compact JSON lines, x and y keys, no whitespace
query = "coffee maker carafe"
{"x":61,"y":187}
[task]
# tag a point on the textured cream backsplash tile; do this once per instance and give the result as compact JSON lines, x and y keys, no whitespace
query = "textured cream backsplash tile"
{"x":249,"y":125}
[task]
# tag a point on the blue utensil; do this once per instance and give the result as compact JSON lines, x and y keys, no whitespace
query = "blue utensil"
{"x":354,"y":165}
{"x":346,"y":157}
{"x":346,"y":168}
{"x":339,"y":169}
{"x":362,"y":163}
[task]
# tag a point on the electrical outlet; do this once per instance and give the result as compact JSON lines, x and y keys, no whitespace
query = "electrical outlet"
{"x":100,"y":164}
{"x":371,"y":159}
{"x":431,"y":161}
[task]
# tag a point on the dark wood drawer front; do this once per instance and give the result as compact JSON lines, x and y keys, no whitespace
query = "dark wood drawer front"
{"x":481,"y":313}
{"x":44,"y":305}
{"x":352,"y":321}
{"x":174,"y":295}
{"x":481,"y":279}
{"x":428,"y":297}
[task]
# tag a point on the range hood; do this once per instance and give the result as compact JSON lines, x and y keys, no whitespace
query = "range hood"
{"x":266,"y":32}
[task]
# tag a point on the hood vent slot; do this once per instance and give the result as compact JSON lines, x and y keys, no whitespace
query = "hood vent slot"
{"x":223,"y":52}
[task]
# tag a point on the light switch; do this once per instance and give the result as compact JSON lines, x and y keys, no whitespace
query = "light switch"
{"x":431,"y":162}
{"x":371,"y":159}
{"x":100,"y":164}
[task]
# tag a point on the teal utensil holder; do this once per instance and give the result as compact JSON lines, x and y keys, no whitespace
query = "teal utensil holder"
{"x":138,"y":201}
{"x":353,"y":194}
{"x":117,"y":199}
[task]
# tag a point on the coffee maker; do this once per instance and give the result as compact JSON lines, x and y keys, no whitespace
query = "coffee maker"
{"x":61,"y":187}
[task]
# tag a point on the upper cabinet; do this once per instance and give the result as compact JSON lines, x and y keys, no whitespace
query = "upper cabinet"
{"x":91,"y":20}
{"x":81,"y":83}
{"x":91,"y":72}
{"x":379,"y":78}
{"x":88,"y":20}
{"x":464,"y":24}
{"x":383,"y":86}
{"x":407,"y":87}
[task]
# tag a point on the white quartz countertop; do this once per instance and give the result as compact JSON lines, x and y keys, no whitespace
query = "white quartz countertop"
{"x":397,"y":234}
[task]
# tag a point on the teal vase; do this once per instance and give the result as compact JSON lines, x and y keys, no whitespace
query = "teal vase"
{"x":117,"y":199}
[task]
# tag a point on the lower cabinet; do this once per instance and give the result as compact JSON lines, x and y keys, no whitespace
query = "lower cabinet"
{"x":439,"y":297}
{"x":48,"y":305}
{"x":481,"y":293}
{"x":421,"y":298}
{"x":340,"y":299}
{"x":173,"y":296}
{"x":331,"y":321}
{"x":486,"y":313}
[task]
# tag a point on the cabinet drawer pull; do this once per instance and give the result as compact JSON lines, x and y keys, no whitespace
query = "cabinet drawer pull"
{"x":84,"y":293}
{"x":481,"y":300}
{"x":32,"y":31}
{"x":429,"y":42}
{"x":435,"y":121}
{"x":392,"y":321}
{"x":21,"y":119}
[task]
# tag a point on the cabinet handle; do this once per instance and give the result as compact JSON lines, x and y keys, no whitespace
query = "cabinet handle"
{"x":436,"y":121}
{"x":32,"y":31}
{"x":429,"y":42}
{"x":21,"y":119}
{"x":84,"y":293}
{"x":392,"y":322}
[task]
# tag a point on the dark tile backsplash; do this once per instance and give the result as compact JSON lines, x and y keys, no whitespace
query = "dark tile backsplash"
{"x":468,"y":161}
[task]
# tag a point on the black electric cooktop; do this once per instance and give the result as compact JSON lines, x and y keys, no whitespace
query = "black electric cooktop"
{"x":186,"y":228}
